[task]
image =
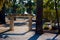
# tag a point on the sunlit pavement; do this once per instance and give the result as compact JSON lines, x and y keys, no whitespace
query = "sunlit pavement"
{"x":21,"y":33}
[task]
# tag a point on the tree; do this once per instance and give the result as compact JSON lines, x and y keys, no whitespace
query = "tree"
{"x":49,"y":14}
{"x":29,"y":7}
{"x":49,"y":10}
{"x":39,"y":23}
{"x":57,"y":16}
{"x":2,"y":12}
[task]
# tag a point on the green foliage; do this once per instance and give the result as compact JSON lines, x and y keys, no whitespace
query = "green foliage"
{"x":49,"y":14}
{"x":49,"y":9}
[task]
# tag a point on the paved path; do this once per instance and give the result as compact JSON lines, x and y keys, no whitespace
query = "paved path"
{"x":21,"y":33}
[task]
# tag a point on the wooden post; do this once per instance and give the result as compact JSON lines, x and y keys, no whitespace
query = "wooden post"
{"x":11,"y":23}
{"x":30,"y":23}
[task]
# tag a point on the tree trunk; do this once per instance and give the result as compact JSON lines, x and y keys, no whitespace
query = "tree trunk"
{"x":2,"y":15}
{"x":57,"y":17}
{"x":39,"y":23}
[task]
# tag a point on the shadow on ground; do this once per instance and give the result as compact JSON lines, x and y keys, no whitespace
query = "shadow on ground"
{"x":6,"y":35}
{"x":34,"y":37}
{"x":34,"y":25}
{"x":1,"y":34}
{"x":7,"y":25}
{"x":16,"y":24}
{"x":19,"y":24}
{"x":54,"y":38}
{"x":15,"y":33}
